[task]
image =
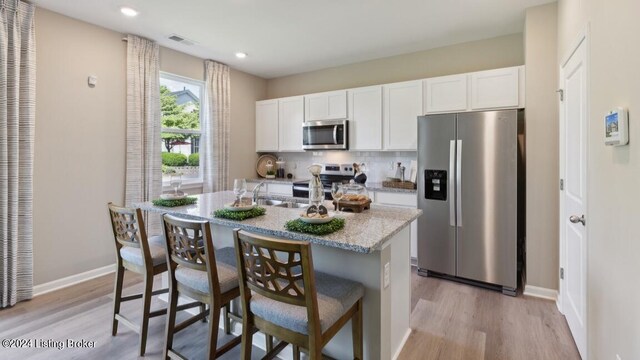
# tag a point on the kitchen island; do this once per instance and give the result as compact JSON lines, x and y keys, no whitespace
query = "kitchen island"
{"x":372,"y":248}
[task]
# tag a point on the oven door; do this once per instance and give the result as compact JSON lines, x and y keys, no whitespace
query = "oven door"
{"x":330,"y":135}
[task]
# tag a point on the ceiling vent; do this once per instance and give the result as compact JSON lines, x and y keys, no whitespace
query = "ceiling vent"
{"x":181,"y":39}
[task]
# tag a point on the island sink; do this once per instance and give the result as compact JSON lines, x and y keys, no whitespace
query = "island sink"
{"x":281,"y":203}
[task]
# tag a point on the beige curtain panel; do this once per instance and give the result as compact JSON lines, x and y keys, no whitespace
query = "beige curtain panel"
{"x":215,"y":153}
{"x":17,"y":122}
{"x":144,"y":164}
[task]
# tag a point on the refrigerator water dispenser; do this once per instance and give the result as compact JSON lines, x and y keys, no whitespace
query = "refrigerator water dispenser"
{"x":435,"y":183}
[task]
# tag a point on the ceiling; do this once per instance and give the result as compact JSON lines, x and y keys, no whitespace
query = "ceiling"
{"x":283,"y":37}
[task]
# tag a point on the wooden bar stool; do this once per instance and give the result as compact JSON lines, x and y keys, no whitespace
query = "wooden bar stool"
{"x":283,"y":297}
{"x":147,"y":257}
{"x":200,"y":272}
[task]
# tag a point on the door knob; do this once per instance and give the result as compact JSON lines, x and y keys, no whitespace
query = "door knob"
{"x":575,"y":219}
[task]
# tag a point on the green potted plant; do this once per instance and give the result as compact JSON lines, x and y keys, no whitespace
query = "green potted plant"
{"x":271,"y":174}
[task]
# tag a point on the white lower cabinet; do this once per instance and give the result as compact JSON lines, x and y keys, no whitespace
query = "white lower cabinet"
{"x":271,"y":189}
{"x":406,"y":200}
{"x":280,"y":189}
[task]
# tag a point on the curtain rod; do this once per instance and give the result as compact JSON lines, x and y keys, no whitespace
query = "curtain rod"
{"x":125,"y":39}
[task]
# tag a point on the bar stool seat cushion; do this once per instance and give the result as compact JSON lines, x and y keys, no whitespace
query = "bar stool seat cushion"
{"x":335,"y":297}
{"x":156,"y":249}
{"x":198,"y":280}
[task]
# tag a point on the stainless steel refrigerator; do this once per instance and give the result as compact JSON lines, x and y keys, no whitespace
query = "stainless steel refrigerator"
{"x":468,"y":192}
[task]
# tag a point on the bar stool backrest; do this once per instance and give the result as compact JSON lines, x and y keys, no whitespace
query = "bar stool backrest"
{"x":129,"y":230}
{"x":281,"y":270}
{"x":189,"y":244}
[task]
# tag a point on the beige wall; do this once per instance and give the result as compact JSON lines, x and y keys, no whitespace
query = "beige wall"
{"x":245,"y":91}
{"x":79,"y":145}
{"x":541,"y":128}
{"x":494,"y":53}
{"x":613,"y":207}
{"x":80,"y":139}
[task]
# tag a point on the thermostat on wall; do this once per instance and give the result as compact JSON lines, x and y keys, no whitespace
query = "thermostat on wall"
{"x":616,"y":127}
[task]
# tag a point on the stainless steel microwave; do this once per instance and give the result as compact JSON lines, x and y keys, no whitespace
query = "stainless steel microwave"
{"x":325,"y":135}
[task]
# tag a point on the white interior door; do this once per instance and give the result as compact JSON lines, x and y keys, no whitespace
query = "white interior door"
{"x":573,"y":169}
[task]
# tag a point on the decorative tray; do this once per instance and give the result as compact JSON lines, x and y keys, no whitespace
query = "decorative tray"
{"x":261,"y":165}
{"x":400,"y":185}
{"x":356,"y":206}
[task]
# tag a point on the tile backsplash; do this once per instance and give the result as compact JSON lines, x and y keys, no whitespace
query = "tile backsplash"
{"x":379,"y":164}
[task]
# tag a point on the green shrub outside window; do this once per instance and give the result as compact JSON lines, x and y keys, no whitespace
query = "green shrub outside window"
{"x":174,"y":159}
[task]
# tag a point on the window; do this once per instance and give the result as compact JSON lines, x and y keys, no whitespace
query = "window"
{"x":181,"y":127}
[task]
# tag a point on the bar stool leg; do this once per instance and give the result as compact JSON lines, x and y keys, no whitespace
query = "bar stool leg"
{"x":356,"y":332}
{"x":117,"y":297}
{"x":226,"y":319}
{"x":214,"y":322}
{"x":296,"y":352}
{"x":269,"y":342}
{"x":203,"y":308}
{"x":146,"y":306}
{"x":247,"y":338}
{"x":171,"y":319}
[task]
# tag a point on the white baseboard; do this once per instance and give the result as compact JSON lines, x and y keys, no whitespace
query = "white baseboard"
{"x":540,"y":292}
{"x":72,"y":280}
{"x":402,"y":343}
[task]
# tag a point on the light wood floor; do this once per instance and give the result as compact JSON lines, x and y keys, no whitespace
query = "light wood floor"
{"x":456,"y":321}
{"x":449,"y":320}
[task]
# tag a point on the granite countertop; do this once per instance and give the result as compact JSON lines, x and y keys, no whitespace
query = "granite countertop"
{"x":363,"y":233}
{"x":377,"y":186}
{"x":371,"y":186}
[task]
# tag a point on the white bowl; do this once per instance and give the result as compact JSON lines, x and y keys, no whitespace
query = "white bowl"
{"x":230,"y":207}
{"x":172,"y":196}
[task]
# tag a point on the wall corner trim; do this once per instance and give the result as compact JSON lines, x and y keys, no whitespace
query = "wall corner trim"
{"x":72,"y":280}
{"x":540,"y":292}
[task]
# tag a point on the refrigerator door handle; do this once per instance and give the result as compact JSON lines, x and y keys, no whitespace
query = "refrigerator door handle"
{"x":459,"y":182}
{"x":452,"y":206}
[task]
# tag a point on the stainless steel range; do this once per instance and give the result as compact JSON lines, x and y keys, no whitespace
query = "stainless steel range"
{"x":331,"y":173}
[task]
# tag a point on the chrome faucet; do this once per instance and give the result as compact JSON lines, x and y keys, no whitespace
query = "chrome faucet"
{"x":256,"y":191}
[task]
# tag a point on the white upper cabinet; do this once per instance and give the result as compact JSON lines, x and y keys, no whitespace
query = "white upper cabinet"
{"x":445,"y":94}
{"x":291,"y":111}
{"x":495,"y":89}
{"x":365,"y":118}
{"x":384,"y":117}
{"x":267,"y":125}
{"x":326,"y":106}
{"x":402,"y":106}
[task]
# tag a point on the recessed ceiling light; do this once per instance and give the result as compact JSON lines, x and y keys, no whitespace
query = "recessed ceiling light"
{"x":127,"y":11}
{"x":241,"y":55}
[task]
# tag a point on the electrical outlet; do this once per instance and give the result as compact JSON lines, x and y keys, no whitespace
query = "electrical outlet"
{"x":386,"y":276}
